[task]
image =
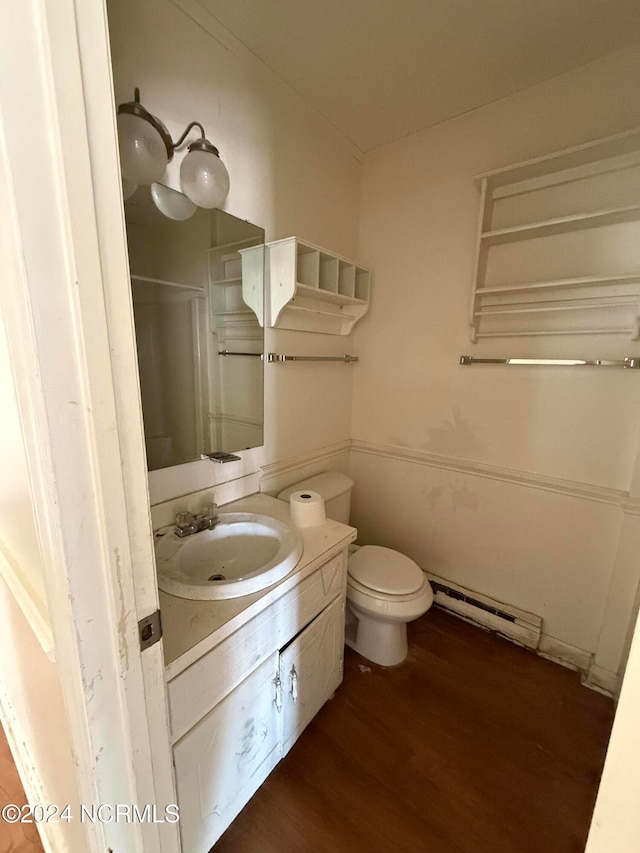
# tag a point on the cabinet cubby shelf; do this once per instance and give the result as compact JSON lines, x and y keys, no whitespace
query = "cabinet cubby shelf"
{"x":599,"y":183}
{"x":312,"y":289}
{"x":328,"y":296}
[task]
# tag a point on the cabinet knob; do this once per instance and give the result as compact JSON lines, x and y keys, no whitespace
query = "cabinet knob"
{"x":294,"y":684}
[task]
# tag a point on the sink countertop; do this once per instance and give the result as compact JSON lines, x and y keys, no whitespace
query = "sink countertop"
{"x":191,"y":628}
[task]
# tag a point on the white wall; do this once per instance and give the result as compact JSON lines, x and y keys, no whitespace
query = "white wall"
{"x":291,"y":173}
{"x":486,"y":469}
{"x":506,"y":481}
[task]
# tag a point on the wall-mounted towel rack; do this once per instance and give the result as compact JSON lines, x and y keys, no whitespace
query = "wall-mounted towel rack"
{"x":273,"y":357}
{"x":628,"y":362}
{"x":346,"y":359}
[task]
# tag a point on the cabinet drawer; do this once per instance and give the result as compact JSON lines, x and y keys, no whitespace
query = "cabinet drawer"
{"x":206,"y":682}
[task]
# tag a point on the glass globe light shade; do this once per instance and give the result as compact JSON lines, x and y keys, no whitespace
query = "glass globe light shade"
{"x":203,"y":175}
{"x":171,"y":203}
{"x":128,"y":188}
{"x":143,"y":154}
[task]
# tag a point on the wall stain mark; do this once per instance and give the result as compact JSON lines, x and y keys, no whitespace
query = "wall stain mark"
{"x":456,"y":437}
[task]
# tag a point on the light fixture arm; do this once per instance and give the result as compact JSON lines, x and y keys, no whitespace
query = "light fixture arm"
{"x":146,"y":147}
{"x":184,"y":135}
{"x":135,"y":108}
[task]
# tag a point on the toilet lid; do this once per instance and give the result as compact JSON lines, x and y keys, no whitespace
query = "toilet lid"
{"x":385,"y":570}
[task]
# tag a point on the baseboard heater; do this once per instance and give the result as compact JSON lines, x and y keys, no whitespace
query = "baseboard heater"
{"x":515,"y":624}
{"x":475,"y":602}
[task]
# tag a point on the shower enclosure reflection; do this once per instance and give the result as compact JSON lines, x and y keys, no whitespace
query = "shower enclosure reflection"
{"x":197,"y":289}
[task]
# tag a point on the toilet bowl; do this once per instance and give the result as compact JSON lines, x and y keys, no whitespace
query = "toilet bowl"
{"x":385,"y":589}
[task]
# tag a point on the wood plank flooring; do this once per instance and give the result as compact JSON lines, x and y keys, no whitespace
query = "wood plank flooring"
{"x":16,"y":837}
{"x":473,"y":745}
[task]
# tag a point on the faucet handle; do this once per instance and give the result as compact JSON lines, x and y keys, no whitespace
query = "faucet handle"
{"x":209,"y":514}
{"x":184,"y":520}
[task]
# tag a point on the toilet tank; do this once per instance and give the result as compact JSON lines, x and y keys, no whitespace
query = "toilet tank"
{"x":334,"y":487}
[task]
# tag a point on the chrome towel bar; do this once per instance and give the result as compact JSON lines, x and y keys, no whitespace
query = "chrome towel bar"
{"x":346,"y":359}
{"x":273,"y":357}
{"x":628,"y":362}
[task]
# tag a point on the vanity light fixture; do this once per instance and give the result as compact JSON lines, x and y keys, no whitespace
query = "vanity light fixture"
{"x":171,"y":203}
{"x":146,"y":148}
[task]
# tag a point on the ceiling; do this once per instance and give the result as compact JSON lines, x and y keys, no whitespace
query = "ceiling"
{"x":380,"y":70}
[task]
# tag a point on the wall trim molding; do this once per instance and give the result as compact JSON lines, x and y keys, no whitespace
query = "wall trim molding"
{"x":602,"y":680}
{"x":564,"y":653}
{"x":313,"y":457}
{"x":526,"y":629}
{"x":33,"y":607}
{"x":572,"y":488}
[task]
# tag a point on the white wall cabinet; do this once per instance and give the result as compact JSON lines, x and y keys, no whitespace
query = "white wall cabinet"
{"x":558,"y":244}
{"x":312,"y":290}
{"x":260,"y":687}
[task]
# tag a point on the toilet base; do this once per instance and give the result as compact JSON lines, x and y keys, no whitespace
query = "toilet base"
{"x":384,"y":643}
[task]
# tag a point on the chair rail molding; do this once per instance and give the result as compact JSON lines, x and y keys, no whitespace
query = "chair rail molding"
{"x":277,"y":475}
{"x":573,"y":488}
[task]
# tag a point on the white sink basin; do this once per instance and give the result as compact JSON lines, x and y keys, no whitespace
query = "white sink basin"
{"x":244,"y":553}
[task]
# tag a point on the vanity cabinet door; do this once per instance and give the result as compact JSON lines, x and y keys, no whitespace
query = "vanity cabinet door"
{"x":311,"y":670}
{"x":222,"y":761}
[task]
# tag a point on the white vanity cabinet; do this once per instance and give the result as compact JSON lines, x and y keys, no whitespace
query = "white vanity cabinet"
{"x":241,"y":706}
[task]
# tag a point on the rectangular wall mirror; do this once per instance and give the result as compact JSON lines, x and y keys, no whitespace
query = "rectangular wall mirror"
{"x":198,"y":298}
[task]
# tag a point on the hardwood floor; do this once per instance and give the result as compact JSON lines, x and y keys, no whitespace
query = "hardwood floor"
{"x":14,"y":837}
{"x":473,"y":745}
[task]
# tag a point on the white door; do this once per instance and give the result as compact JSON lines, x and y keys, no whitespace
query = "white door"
{"x":68,"y":320}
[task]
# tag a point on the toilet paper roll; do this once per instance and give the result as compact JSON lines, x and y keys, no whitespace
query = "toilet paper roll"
{"x":307,"y":509}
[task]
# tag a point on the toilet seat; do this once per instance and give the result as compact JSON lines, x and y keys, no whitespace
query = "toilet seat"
{"x":355,"y":588}
{"x":384,"y":572}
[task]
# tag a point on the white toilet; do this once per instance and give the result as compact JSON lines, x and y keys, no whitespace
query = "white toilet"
{"x":385,"y":589}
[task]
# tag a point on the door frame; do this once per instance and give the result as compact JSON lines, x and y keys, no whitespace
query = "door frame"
{"x":69,"y":323}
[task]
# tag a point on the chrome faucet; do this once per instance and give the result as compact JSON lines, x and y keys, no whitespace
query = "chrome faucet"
{"x":188,"y":523}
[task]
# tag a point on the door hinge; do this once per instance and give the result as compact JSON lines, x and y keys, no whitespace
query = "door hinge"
{"x":150,"y":630}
